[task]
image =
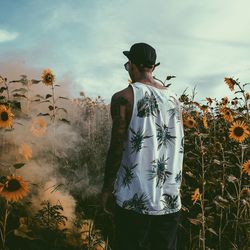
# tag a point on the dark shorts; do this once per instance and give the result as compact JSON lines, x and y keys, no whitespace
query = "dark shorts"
{"x":135,"y":231}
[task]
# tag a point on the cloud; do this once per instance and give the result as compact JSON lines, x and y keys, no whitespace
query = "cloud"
{"x":200,"y":43}
{"x":7,"y":36}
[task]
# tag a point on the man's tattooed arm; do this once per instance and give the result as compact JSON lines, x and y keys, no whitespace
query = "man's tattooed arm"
{"x":119,"y":105}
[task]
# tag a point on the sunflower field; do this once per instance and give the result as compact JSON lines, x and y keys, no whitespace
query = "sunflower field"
{"x":52,"y":155}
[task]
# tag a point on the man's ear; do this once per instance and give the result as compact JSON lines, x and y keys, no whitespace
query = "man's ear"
{"x":133,"y":67}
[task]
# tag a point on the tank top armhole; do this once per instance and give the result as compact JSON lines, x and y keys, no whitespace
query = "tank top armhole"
{"x":134,"y":104}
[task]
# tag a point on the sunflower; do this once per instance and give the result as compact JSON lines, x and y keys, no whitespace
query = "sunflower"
{"x":234,"y":102}
{"x":245,"y":191}
{"x":48,"y":77}
{"x":82,"y":93}
{"x":15,"y":188}
{"x":224,"y":100}
{"x":196,"y":104}
{"x":227,"y":115}
{"x":218,"y":146}
{"x":196,"y":195}
{"x":230,"y":82}
{"x":38,"y":127}
{"x":6,"y":117}
{"x":246,"y":167}
{"x":26,"y":151}
{"x":239,"y":131}
{"x":190,"y":122}
{"x":204,"y":108}
{"x":209,"y":100}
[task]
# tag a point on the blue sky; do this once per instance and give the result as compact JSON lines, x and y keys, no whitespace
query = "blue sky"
{"x":200,"y":42}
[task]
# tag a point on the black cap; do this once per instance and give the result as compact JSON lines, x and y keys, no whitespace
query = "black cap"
{"x":142,"y":53}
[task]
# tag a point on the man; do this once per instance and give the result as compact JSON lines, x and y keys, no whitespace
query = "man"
{"x":144,"y":163}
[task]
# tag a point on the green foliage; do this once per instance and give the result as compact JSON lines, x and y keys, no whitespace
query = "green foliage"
{"x":49,"y":216}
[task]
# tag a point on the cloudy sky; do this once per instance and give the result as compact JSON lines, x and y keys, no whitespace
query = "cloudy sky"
{"x":82,"y":41}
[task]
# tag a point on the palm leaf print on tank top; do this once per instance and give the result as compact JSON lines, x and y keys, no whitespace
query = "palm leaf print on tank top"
{"x":160,"y":171}
{"x":170,"y":201}
{"x":137,"y":203}
{"x":163,"y":135}
{"x":174,"y":111}
{"x":147,"y":106}
{"x":128,"y":175}
{"x":137,"y":140}
{"x":178,"y":177}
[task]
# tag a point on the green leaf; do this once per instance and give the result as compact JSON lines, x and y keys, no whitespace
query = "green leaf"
{"x":212,"y":231}
{"x":62,"y":97}
{"x":33,"y":81}
{"x":19,"y":95}
{"x":36,"y":100}
{"x":48,"y":96}
{"x":64,"y":120}
{"x":194,"y":221}
{"x":15,"y":104}
{"x":20,"y":90}
{"x":3,"y":179}
{"x":18,"y":165}
{"x":2,"y":89}
{"x":39,"y":96}
{"x":43,"y":114}
{"x":63,"y":110}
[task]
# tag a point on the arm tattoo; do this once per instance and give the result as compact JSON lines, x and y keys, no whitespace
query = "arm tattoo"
{"x":118,"y":135}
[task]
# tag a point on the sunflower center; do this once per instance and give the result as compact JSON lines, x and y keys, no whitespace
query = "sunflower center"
{"x":4,"y":116}
{"x":238,"y":131}
{"x":48,"y":78}
{"x":37,"y":126}
{"x":13,"y":185}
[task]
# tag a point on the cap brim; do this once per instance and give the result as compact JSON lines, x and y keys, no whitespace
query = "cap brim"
{"x":157,"y":64}
{"x":126,"y":53}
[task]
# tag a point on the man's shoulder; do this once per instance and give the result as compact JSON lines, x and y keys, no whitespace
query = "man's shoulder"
{"x":125,"y":94}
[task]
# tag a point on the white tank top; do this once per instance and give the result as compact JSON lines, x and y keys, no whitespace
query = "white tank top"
{"x":149,"y":178}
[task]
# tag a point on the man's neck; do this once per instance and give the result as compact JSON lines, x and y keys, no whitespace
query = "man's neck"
{"x":147,"y":78}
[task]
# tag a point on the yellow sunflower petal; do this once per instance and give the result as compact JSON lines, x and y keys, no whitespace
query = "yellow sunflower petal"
{"x":230,"y":82}
{"x":15,"y":188}
{"x":246,"y":167}
{"x":6,"y":117}
{"x":196,"y":195}
{"x":38,"y":127}
{"x":26,"y":151}
{"x":189,"y":122}
{"x":48,"y":78}
{"x":239,"y":131}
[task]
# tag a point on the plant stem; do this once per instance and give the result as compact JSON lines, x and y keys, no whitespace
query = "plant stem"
{"x":222,"y":195}
{"x":203,"y":195}
{"x":3,"y":231}
{"x":7,"y":89}
{"x":238,"y":195}
{"x":53,"y":122}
